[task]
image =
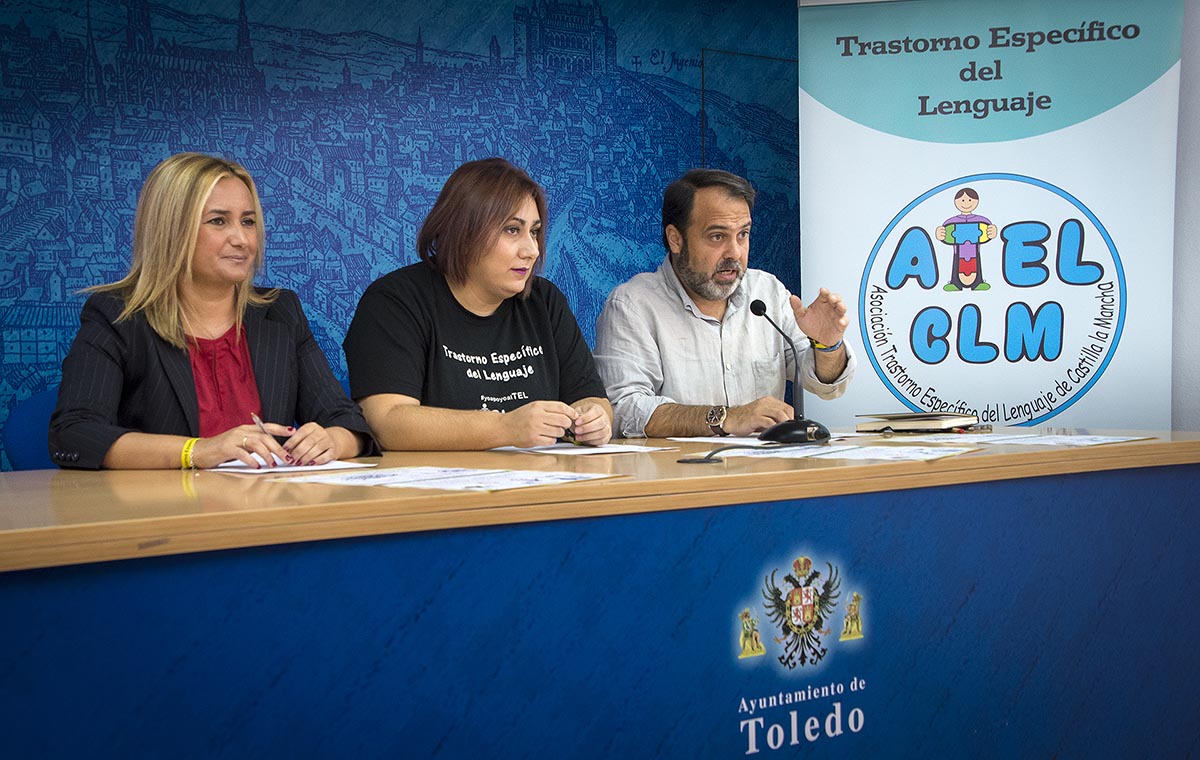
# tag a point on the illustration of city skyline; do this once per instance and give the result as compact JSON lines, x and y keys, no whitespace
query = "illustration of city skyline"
{"x":349,"y":137}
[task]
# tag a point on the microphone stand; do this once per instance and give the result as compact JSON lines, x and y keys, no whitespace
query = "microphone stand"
{"x":800,"y":429}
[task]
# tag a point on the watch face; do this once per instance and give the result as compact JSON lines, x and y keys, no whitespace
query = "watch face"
{"x":715,"y":416}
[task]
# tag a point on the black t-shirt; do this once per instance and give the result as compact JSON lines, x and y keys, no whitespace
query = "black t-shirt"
{"x":411,"y":336}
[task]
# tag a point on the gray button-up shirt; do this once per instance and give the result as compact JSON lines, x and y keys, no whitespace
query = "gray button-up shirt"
{"x":655,"y":346}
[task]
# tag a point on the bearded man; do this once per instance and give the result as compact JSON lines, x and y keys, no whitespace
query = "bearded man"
{"x":678,"y":349}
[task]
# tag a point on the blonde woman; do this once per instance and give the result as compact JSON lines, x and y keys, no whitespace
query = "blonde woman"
{"x":173,"y":363}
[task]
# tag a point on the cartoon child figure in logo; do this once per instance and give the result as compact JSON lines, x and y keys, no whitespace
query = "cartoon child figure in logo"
{"x":966,"y":232}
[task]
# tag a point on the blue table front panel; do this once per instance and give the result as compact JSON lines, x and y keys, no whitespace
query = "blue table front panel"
{"x":1049,"y":616}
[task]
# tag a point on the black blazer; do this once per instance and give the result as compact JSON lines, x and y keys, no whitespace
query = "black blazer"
{"x":121,"y":377}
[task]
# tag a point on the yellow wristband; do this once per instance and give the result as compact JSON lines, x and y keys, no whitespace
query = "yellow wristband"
{"x":824,"y":348}
{"x":185,"y":457}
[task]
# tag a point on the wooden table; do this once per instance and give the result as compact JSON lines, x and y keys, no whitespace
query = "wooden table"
{"x":1003,"y":592}
{"x":54,"y":517}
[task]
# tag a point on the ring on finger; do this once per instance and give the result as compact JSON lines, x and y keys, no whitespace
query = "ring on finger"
{"x":244,"y":439}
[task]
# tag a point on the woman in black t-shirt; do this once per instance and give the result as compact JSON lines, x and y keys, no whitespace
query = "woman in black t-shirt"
{"x":437,"y":348}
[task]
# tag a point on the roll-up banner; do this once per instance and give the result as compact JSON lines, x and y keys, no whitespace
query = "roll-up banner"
{"x":991,"y":188}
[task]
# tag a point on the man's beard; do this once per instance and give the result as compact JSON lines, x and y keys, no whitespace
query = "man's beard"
{"x":701,"y":283}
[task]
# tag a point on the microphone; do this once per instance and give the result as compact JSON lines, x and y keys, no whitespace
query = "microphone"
{"x":799,"y":430}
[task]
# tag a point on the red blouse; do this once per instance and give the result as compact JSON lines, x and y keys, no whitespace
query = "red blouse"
{"x":225,"y":386}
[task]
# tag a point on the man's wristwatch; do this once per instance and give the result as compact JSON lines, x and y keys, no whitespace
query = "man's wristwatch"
{"x":716,"y":418}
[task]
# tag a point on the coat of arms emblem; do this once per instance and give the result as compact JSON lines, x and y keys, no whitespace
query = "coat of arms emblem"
{"x":802,"y":611}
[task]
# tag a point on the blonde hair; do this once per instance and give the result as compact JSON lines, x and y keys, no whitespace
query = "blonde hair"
{"x":168,"y":219}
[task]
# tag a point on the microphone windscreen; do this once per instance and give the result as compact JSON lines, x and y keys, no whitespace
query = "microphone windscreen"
{"x":758,"y":308}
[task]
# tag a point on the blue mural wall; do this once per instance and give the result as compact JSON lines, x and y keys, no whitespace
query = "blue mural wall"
{"x":350,"y":116}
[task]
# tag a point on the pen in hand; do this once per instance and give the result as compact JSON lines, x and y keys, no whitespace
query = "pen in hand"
{"x":568,"y":436}
{"x":258,"y":421}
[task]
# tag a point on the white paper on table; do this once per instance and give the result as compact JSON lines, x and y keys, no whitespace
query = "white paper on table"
{"x":235,"y":465}
{"x":385,"y":476}
{"x":725,"y":440}
{"x":1077,"y":440}
{"x":896,"y":453}
{"x":502,"y":480}
{"x":786,"y":452}
{"x":575,"y":450}
{"x":451,"y":478}
{"x":968,"y":438}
